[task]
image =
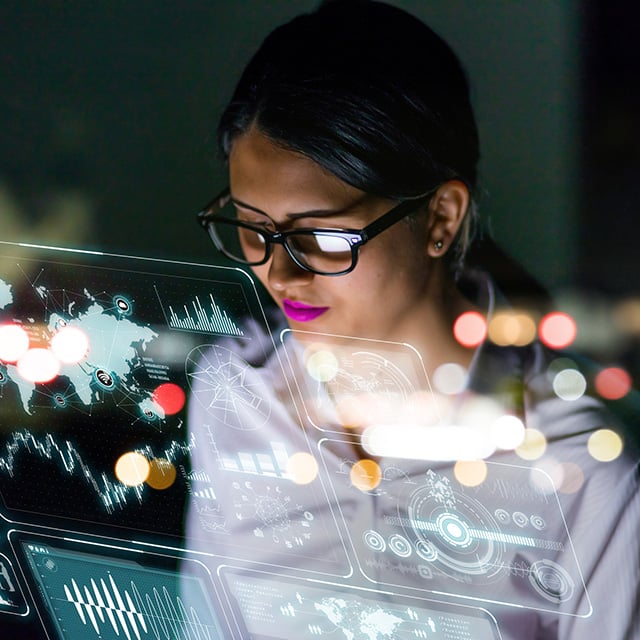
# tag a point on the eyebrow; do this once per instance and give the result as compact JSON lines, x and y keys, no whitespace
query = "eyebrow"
{"x":312,"y":213}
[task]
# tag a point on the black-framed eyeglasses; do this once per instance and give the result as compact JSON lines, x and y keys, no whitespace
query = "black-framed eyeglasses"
{"x":326,"y":252}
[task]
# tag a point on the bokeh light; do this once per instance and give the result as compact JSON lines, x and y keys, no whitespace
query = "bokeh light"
{"x":533,"y":445}
{"x":132,"y":469}
{"x":627,"y":316}
{"x":613,"y":383}
{"x":470,"y":329}
{"x":508,"y":432}
{"x":366,"y":475}
{"x":70,"y":345}
{"x":352,"y":411}
{"x":557,"y":330}
{"x":322,"y":365}
{"x":559,"y":364}
{"x":169,"y":397}
{"x":162,"y":474}
{"x":515,"y":328}
{"x":604,"y":445}
{"x":547,"y":475}
{"x":302,"y":467}
{"x":470,"y":473}
{"x":450,"y":378}
{"x":569,"y":385}
{"x":421,"y":442}
{"x":573,"y":478}
{"x":38,"y":365}
{"x":14,"y":342}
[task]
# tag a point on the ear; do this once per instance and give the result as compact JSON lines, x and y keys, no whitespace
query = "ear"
{"x":447,"y":210}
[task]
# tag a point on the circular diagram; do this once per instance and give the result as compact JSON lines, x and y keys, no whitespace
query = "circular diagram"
{"x":228,"y":387}
{"x":364,"y":372}
{"x":551,"y":581}
{"x":454,"y":532}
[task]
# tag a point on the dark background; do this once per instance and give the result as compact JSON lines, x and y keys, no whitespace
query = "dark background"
{"x":107,"y":110}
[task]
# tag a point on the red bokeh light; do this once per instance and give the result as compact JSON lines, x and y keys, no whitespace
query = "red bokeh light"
{"x":557,"y":330}
{"x":169,"y":397}
{"x":613,"y":383}
{"x":470,"y":329}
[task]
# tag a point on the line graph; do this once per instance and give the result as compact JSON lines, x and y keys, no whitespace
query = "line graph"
{"x":113,"y":495}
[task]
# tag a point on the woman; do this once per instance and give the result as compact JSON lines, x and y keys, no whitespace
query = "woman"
{"x":352,"y":152}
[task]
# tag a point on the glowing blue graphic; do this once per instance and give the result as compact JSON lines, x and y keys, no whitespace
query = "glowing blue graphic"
{"x":109,"y":598}
{"x":116,"y":349}
{"x":213,"y":320}
{"x":112,"y":494}
{"x":277,"y":608}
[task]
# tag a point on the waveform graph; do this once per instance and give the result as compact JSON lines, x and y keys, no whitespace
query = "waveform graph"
{"x":111,"y":597}
{"x":202,"y":313}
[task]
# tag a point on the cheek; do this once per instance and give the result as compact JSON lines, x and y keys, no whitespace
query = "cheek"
{"x":262,"y":274}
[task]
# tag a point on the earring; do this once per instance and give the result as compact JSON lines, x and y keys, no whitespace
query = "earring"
{"x":438,"y":244}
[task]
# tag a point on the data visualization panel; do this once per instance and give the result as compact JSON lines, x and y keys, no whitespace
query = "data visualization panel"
{"x":276,"y":607}
{"x":503,"y":541}
{"x":109,"y":593}
{"x":98,"y":354}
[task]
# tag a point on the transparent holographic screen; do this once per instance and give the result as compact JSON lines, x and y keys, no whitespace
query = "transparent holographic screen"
{"x":503,"y":542}
{"x":143,"y":320}
{"x":100,"y":591}
{"x":276,"y":607}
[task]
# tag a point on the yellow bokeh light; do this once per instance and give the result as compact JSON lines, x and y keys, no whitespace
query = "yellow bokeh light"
{"x":470,"y":473}
{"x":132,"y":469}
{"x":162,"y":474}
{"x":322,"y":365}
{"x":366,"y":475}
{"x":302,"y":467}
{"x":604,"y":445}
{"x":533,"y":445}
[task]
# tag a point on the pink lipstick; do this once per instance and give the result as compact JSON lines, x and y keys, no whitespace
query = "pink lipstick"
{"x":301,"y":312}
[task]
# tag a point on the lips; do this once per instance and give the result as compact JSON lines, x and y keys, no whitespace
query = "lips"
{"x":301,"y":312}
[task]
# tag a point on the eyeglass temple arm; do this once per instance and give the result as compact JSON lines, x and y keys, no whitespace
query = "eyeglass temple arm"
{"x":397,"y":213}
{"x":213,"y":206}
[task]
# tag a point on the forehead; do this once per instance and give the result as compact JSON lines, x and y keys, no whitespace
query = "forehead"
{"x":279,"y":180}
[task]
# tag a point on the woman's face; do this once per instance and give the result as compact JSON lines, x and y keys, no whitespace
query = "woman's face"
{"x":385,"y":295}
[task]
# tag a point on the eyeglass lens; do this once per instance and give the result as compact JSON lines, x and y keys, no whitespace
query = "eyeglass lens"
{"x":326,"y":252}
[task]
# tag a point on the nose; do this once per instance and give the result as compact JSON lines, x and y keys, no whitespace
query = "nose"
{"x":284,"y":273}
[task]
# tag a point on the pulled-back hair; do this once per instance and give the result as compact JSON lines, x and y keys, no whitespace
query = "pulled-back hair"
{"x":368,"y":92}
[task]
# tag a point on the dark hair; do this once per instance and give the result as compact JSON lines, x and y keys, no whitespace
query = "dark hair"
{"x":377,"y":98}
{"x":368,"y":92}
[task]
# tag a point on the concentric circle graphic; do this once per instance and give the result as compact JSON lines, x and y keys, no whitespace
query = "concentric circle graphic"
{"x":441,"y":523}
{"x":551,"y":581}
{"x":426,"y":551}
{"x":520,"y":519}
{"x":400,"y":545}
{"x":374,"y":540}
